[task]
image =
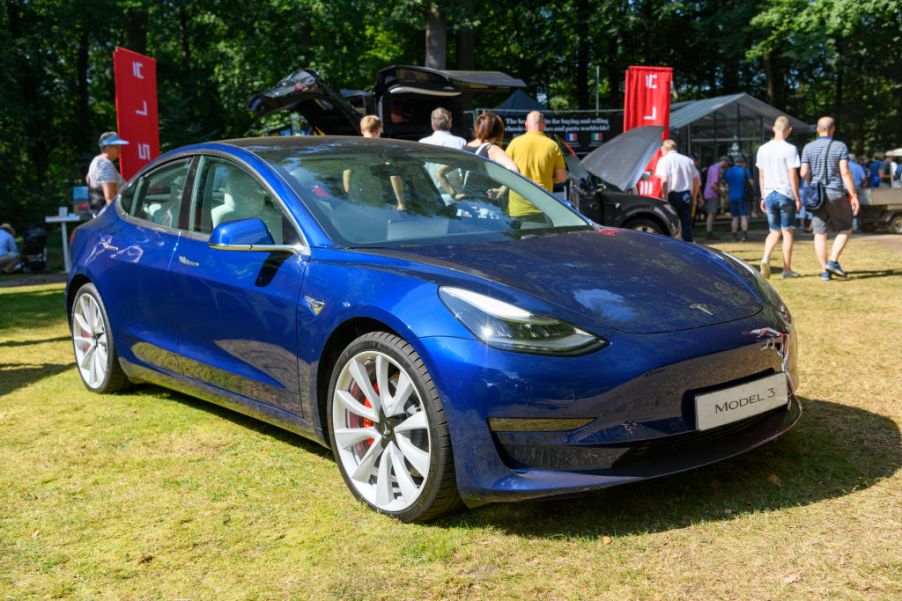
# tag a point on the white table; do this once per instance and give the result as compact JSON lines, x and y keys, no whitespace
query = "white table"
{"x":63,"y":220}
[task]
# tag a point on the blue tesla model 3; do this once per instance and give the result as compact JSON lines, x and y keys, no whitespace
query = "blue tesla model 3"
{"x":450,"y":330}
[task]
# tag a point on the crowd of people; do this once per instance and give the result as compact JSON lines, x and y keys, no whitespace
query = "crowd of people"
{"x":784,"y":177}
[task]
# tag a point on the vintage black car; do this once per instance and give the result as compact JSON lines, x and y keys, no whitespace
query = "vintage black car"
{"x":403,"y":96}
{"x":601,"y":184}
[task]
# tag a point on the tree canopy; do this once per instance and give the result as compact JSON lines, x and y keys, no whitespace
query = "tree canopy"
{"x":807,"y":57}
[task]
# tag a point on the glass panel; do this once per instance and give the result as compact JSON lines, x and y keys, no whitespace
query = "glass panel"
{"x":225,"y":193}
{"x":160,"y":196}
{"x":377,"y":195}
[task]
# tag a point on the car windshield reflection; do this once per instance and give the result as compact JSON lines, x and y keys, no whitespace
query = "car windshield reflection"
{"x":384,"y":196}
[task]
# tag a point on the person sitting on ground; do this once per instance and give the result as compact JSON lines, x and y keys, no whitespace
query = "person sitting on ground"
{"x":9,"y":252}
{"x":104,"y":180}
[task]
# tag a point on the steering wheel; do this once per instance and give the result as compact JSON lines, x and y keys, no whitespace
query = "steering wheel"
{"x":472,"y":207}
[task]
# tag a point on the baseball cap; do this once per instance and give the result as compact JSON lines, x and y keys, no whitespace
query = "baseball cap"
{"x":110,"y":138}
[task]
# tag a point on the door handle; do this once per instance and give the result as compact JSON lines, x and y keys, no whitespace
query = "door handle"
{"x":109,"y":246}
{"x":186,"y":261}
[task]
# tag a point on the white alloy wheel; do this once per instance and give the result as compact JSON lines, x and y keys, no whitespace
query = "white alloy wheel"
{"x":380,"y":429}
{"x":91,"y":343}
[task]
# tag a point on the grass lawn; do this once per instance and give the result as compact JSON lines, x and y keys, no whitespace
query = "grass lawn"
{"x":154,"y":495}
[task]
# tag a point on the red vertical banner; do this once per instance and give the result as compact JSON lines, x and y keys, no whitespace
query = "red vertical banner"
{"x":136,"y":109}
{"x":647,"y":102}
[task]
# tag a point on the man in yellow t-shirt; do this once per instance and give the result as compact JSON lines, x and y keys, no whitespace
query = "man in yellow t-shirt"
{"x":538,"y":158}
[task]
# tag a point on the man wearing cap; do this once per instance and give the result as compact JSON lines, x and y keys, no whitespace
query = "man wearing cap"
{"x":103,"y":178}
{"x":9,"y":252}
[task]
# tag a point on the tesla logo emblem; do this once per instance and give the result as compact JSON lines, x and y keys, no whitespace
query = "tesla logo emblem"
{"x":702,"y":308}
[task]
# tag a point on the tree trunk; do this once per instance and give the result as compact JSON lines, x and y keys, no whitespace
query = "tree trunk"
{"x":466,"y":59}
{"x":582,"y":54}
{"x":436,"y":39}
{"x":136,"y":29}
{"x":82,"y":108}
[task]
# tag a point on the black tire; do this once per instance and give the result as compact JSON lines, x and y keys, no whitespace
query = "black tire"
{"x":114,"y":378}
{"x":644,"y":225}
{"x":895,"y":226}
{"x":438,"y":494}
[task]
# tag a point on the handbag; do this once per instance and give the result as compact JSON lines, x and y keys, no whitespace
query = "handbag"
{"x":817,"y":191}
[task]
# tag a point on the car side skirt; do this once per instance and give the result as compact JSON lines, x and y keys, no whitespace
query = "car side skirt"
{"x":239,"y":404}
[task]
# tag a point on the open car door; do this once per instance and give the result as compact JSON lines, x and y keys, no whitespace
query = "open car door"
{"x":405,"y":97}
{"x":304,"y":91}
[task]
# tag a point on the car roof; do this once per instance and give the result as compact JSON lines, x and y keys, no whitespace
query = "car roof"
{"x":338,"y":142}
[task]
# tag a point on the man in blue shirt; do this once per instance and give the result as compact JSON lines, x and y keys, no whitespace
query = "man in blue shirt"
{"x":9,"y":253}
{"x":736,"y":178}
{"x":859,"y":175}
{"x":826,"y":161}
{"x":874,"y":169}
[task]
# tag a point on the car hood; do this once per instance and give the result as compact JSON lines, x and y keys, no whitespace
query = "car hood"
{"x":626,"y":280}
{"x":621,"y":161}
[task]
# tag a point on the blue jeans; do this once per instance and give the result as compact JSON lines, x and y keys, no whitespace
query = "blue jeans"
{"x":682,"y":204}
{"x":781,"y":212}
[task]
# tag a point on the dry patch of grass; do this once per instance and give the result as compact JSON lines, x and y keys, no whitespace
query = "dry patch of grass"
{"x":151,"y":494}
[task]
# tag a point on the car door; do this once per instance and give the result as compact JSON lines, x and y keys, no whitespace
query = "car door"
{"x":237,"y":310}
{"x":140,"y":248}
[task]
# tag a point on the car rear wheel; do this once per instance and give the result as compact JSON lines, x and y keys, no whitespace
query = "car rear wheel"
{"x":644,"y":225}
{"x":92,"y":340}
{"x":388,"y":430}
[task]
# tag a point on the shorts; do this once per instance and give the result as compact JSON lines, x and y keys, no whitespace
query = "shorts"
{"x":711,"y":205}
{"x":834,"y":216}
{"x":738,"y":207}
{"x":781,"y":212}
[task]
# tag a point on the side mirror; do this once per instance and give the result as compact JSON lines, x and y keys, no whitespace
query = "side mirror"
{"x":243,"y":234}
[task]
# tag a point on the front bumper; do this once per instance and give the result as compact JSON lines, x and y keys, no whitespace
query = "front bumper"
{"x":633,"y":403}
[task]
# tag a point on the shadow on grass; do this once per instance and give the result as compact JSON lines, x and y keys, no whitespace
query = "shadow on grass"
{"x":18,"y":375}
{"x":31,"y":308}
{"x":290,"y":438}
{"x":15,"y":343}
{"x":835,"y":450}
{"x":879,"y":273}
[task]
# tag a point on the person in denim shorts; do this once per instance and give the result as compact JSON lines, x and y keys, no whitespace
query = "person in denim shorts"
{"x":826,"y":161}
{"x":778,"y":164}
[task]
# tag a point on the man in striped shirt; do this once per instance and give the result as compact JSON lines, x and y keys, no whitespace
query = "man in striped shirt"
{"x":104,"y":180}
{"x":826,"y":161}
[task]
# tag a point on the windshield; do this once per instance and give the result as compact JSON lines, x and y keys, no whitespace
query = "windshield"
{"x":389,"y":194}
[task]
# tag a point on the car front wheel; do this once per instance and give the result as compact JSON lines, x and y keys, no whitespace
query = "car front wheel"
{"x":388,"y":430}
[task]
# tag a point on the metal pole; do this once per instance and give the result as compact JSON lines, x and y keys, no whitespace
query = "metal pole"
{"x":597,"y":85}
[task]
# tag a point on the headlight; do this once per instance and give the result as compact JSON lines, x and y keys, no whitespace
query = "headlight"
{"x":509,"y":327}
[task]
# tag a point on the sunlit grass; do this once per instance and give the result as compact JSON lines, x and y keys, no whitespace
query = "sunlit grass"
{"x":153,"y":495}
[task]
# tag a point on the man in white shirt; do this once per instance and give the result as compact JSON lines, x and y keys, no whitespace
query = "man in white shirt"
{"x":680,"y":183}
{"x":778,"y":164}
{"x":441,"y":128}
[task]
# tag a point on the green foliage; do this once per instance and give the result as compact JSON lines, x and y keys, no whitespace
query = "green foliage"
{"x":808,"y":57}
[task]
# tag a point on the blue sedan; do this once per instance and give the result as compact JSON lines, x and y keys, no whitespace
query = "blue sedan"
{"x":450,"y":330}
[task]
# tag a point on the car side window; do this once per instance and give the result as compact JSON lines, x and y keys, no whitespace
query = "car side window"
{"x":225,"y":192}
{"x":158,"y":195}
